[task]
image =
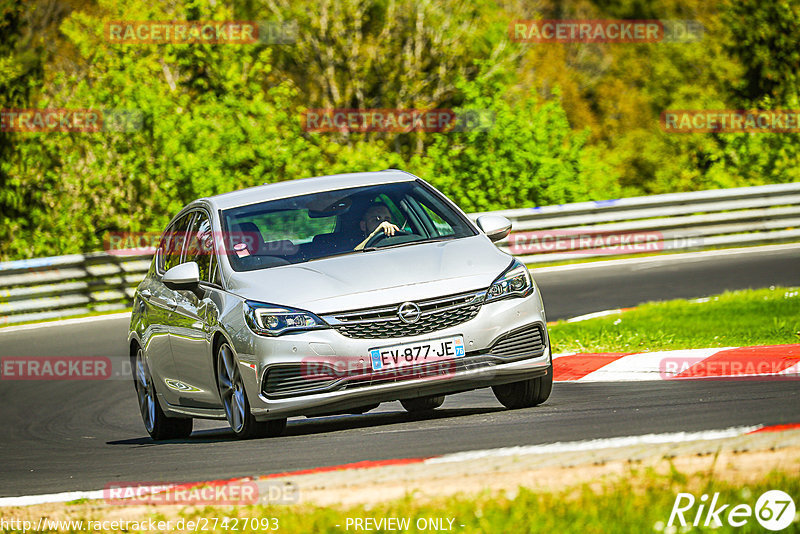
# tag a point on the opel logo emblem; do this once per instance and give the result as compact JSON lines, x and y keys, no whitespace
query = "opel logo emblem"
{"x":408,"y":312}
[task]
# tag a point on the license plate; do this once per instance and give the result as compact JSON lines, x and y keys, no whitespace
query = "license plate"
{"x":417,"y":353}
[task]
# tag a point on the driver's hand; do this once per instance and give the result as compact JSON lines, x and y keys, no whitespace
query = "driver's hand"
{"x":388,"y":229}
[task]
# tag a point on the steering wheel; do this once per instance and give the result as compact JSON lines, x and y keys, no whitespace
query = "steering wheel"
{"x":380,"y":236}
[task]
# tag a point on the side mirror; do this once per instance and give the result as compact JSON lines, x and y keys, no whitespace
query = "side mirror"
{"x":183,"y":276}
{"x":495,"y":226}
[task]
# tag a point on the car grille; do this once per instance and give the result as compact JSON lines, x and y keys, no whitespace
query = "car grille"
{"x":435,"y":314}
{"x":525,"y":341}
{"x":294,"y":380}
{"x":288,"y":379}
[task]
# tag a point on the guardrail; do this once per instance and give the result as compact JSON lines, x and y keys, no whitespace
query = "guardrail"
{"x":63,"y":286}
{"x":658,"y":223}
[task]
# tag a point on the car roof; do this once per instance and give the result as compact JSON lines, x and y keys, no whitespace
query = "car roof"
{"x":291,"y":188}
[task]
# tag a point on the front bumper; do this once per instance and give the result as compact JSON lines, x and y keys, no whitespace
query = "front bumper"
{"x":328,"y":348}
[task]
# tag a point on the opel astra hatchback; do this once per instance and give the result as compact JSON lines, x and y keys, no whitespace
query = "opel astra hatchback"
{"x":331,"y":295}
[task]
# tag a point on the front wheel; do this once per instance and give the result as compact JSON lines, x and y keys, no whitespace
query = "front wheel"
{"x":234,"y":400}
{"x":527,"y":393}
{"x":157,"y":424}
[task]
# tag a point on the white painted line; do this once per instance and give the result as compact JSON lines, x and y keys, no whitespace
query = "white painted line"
{"x":141,"y":491}
{"x":668,"y":258}
{"x":50,"y":498}
{"x":593,"y":315}
{"x":595,"y":444}
{"x":66,"y":322}
{"x":791,"y":371}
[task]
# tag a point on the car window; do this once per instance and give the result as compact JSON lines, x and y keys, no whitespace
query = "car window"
{"x":294,"y":225}
{"x":214,"y":275}
{"x":200,"y":245}
{"x":162,"y":247}
{"x":320,"y":225}
{"x":398,"y":213}
{"x":173,"y":242}
{"x":441,"y":227}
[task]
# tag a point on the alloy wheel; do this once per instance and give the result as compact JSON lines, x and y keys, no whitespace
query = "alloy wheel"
{"x":231,"y":388}
{"x":145,"y":392}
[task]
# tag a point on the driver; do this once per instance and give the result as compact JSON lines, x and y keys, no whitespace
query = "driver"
{"x":376,"y":219}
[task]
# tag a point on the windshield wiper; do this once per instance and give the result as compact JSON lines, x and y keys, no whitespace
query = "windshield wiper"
{"x":405,"y":244}
{"x":334,"y":255}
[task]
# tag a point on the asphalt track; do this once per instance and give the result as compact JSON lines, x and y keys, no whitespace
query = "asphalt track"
{"x":62,"y":436}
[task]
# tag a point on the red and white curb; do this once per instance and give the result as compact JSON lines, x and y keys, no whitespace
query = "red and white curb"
{"x":776,"y":361}
{"x":547,"y":448}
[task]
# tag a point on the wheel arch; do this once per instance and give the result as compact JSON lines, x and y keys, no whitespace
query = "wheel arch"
{"x":134,"y":343}
{"x":217,"y":339}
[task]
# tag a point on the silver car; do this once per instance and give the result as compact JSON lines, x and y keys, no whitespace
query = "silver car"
{"x":331,"y":295}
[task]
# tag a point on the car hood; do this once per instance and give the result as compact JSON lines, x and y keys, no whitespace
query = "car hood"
{"x":377,"y":278}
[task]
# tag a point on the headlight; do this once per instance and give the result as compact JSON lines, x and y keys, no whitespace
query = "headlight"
{"x":515,"y":282}
{"x":270,"y":320}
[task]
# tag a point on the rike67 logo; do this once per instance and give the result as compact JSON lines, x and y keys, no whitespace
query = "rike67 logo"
{"x":774,"y":510}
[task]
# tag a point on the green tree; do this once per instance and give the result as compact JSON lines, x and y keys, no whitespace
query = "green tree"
{"x":765,"y":37}
{"x":526,"y":156}
{"x":190,"y":135}
{"x":571,"y":121}
{"x":20,"y":72}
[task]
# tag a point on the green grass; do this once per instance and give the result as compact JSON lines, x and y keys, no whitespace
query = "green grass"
{"x":732,"y":319}
{"x":639,"y":502}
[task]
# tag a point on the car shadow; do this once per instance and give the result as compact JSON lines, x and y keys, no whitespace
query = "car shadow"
{"x":335,"y":423}
{"x":320,"y":425}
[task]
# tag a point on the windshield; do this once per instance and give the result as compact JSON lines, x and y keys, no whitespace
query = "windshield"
{"x":356,"y":220}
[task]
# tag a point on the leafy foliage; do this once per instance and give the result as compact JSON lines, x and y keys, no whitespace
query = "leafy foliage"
{"x":527,"y":155}
{"x":568,"y":122}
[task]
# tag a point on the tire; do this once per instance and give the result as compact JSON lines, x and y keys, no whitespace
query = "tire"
{"x":156,"y":422}
{"x":422,"y":404}
{"x":235,"y":403}
{"x":525,"y":394}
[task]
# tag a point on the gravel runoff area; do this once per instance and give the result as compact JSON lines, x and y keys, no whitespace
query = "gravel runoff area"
{"x":740,"y":459}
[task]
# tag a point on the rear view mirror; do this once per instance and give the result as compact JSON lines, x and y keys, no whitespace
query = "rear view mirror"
{"x":496,"y":227}
{"x":183,"y":276}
